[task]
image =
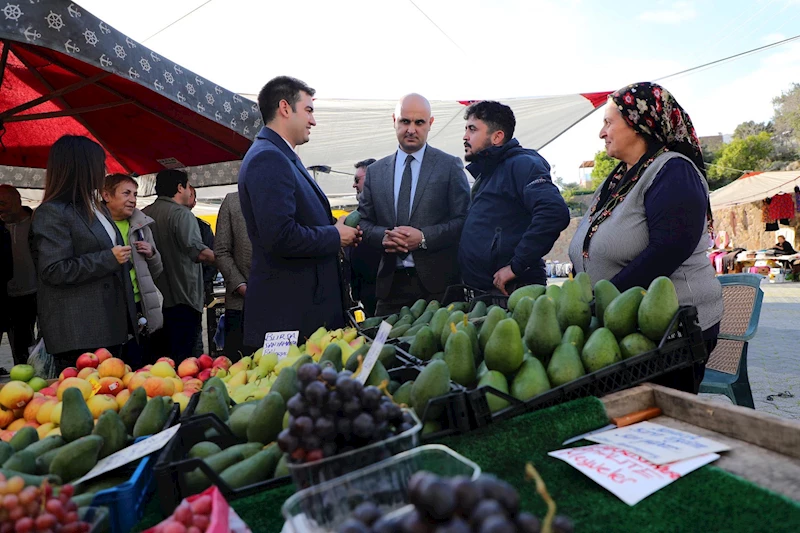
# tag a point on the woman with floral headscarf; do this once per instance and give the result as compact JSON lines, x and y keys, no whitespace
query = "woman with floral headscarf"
{"x":651,"y":217}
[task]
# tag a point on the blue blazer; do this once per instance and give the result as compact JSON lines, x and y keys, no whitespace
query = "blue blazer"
{"x":294,"y":281}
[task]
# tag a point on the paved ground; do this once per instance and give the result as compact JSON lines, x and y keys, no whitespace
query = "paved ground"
{"x":773,"y":355}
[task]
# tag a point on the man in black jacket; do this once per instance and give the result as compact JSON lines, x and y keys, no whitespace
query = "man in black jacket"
{"x":363,"y":260}
{"x":516,"y":212}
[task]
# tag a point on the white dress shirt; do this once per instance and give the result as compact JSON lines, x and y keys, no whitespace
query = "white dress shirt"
{"x":399,"y":167}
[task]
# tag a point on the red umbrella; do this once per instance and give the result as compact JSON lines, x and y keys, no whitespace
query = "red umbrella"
{"x":66,"y":72}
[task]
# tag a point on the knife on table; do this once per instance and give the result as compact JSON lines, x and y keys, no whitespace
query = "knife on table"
{"x":622,"y":421}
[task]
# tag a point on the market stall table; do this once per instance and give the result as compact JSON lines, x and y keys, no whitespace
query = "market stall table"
{"x":753,"y":487}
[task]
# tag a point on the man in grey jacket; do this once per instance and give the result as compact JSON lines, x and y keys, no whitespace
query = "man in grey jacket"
{"x":234,"y":255}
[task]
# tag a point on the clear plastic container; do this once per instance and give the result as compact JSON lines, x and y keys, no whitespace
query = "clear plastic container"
{"x":323,"y":508}
{"x":309,"y":474}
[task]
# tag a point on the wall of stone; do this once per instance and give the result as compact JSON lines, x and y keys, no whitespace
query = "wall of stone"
{"x":745,"y":229}
{"x":560,"y":251}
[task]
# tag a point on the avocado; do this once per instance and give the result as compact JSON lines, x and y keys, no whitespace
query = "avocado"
{"x":583,"y":279}
{"x":267,"y":419}
{"x":522,"y":312}
{"x":153,"y":417}
{"x":26,"y":435}
{"x":130,"y":412}
{"x":215,"y":381}
{"x":635,"y":344}
{"x":76,"y":419}
{"x":572,"y":308}
{"x":77,"y":457}
{"x":111,"y":427}
{"x":542,"y":332}
{"x":565,"y":365}
{"x":456,"y":317}
{"x":332,"y":353}
{"x":604,"y":294}
{"x":423,"y":319}
{"x":504,"y":351}
{"x":403,"y":394}
{"x":433,"y":381}
{"x":478,"y":311}
{"x":418,"y":308}
{"x":45,"y":445}
{"x":438,"y":322}
{"x":658,"y":308}
{"x":240,"y":419}
{"x":286,"y":382}
{"x":254,"y":469}
{"x":494,"y":379}
{"x":493,"y":316}
{"x":530,"y":380}
{"x":600,"y":350}
{"x":531,"y":291}
{"x":459,"y":358}
{"x":22,"y":461}
{"x":621,"y":314}
{"x":575,"y":336}
{"x":203,"y":449}
{"x":353,"y":219}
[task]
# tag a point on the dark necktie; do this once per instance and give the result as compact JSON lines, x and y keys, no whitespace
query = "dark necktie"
{"x":404,"y":198}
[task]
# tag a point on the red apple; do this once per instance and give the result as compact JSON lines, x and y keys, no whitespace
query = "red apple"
{"x":166,"y":360}
{"x":205,"y":361}
{"x":87,"y":360}
{"x":222,"y":362}
{"x":48,"y":391}
{"x":103,"y":354}
{"x":204,"y":375}
{"x":188,"y":367}
{"x":69,"y":372}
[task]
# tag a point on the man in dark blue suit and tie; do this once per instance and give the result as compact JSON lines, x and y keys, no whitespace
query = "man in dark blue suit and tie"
{"x":294,"y":281}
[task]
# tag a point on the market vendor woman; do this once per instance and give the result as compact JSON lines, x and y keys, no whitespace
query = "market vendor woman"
{"x":651,"y":216}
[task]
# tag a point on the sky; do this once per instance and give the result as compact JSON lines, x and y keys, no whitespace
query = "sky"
{"x":481,"y":49}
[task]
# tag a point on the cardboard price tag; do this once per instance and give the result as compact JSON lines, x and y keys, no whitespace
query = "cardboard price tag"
{"x":374,"y":351}
{"x":628,"y":476}
{"x":131,"y":453}
{"x":278,"y":342}
{"x":658,"y":444}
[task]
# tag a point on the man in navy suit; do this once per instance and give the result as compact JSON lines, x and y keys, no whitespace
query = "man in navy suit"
{"x":294,"y":281}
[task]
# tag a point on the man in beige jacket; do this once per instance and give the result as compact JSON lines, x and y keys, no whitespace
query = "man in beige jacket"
{"x":234,"y":255}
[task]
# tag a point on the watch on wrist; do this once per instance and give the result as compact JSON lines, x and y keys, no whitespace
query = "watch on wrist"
{"x":423,"y":244}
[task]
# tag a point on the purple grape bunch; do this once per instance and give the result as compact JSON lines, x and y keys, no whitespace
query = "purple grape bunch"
{"x":334,"y":413}
{"x":453,"y":505}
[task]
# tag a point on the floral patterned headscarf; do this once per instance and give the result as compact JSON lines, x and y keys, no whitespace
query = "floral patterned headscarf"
{"x":652,"y":111}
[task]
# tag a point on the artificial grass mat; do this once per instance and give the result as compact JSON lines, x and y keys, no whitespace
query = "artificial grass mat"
{"x":706,"y":500}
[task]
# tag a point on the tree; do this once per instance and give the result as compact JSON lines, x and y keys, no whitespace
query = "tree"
{"x":740,"y":156}
{"x":787,"y":112}
{"x":603,"y":165}
{"x":746,"y":129}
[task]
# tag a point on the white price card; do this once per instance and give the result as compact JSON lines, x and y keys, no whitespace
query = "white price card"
{"x":278,"y":342}
{"x":374,"y":351}
{"x":658,"y":444}
{"x":131,"y":453}
{"x":628,"y":476}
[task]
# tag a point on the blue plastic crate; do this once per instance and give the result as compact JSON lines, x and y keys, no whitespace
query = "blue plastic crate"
{"x":126,"y":502}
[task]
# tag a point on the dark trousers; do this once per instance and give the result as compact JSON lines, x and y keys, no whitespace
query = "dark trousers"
{"x":181,"y":326}
{"x":406,"y":289}
{"x":366,"y":295}
{"x":235,"y":348}
{"x":689,"y":379}
{"x":21,"y":322}
{"x":66,"y":359}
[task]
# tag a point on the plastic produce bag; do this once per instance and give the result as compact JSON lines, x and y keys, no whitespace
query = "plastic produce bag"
{"x":211,"y":504}
{"x":42,"y":362}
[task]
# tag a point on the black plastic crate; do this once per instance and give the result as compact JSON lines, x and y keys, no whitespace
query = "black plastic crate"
{"x":680,"y":349}
{"x":465,"y":293}
{"x":456,"y":418}
{"x":172,"y":464}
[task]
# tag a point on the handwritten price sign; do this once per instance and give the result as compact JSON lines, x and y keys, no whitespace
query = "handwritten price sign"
{"x":628,"y":476}
{"x":278,"y":342}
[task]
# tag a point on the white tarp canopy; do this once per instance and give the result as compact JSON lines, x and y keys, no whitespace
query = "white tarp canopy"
{"x":754,"y":187}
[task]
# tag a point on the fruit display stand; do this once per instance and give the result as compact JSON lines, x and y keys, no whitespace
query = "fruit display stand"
{"x":724,"y":496}
{"x":675,"y":351}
